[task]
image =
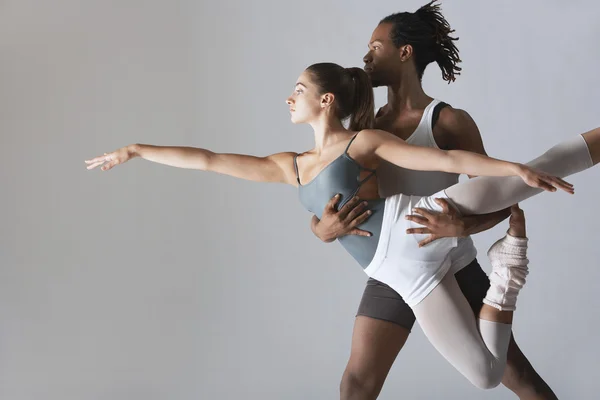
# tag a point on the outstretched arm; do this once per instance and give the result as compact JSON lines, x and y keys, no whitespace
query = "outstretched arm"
{"x":397,"y":151}
{"x":274,"y":168}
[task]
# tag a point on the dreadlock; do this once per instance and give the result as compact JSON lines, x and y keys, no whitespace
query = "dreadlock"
{"x":428,"y":32}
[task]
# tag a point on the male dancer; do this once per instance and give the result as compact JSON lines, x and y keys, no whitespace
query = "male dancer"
{"x":401,"y":47}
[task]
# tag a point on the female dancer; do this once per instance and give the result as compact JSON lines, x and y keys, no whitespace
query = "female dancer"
{"x":344,"y":161}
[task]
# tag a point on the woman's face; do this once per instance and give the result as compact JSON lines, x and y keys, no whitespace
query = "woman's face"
{"x":305,"y":102}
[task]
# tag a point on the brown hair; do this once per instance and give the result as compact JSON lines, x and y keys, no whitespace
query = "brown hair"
{"x":352,"y":90}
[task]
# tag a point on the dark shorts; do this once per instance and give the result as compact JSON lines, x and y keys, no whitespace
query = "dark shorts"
{"x":380,"y":301}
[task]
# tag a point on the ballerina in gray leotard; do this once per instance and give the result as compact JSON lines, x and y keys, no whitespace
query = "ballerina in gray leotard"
{"x":343,"y":176}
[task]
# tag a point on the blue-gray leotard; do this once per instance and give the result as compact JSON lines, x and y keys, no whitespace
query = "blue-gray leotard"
{"x":342,"y":176}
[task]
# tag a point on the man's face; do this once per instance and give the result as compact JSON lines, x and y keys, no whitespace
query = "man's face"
{"x":382,"y":62}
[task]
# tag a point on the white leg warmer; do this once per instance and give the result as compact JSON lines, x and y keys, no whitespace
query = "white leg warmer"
{"x":509,"y":269}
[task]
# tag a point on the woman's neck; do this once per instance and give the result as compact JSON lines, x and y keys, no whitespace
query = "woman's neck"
{"x":327,"y":132}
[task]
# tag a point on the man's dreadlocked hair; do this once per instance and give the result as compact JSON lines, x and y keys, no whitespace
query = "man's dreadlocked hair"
{"x":427,"y":31}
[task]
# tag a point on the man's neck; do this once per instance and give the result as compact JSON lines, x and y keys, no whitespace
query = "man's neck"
{"x":407,"y":95}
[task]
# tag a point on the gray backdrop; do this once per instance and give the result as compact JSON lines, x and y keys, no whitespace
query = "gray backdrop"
{"x":149,"y":282}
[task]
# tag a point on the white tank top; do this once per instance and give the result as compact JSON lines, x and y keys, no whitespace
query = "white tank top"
{"x":393,"y":180}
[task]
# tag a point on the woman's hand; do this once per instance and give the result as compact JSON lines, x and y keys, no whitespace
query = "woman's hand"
{"x":539,"y":179}
{"x":109,"y":160}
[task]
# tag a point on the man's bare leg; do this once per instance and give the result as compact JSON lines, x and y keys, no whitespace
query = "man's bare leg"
{"x":375,"y":345}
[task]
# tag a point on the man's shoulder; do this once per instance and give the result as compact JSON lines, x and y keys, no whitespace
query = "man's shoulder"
{"x":453,"y":119}
{"x":454,"y":122}
{"x":456,"y":129}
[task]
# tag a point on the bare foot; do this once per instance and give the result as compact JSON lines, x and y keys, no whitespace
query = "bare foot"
{"x":517,"y":222}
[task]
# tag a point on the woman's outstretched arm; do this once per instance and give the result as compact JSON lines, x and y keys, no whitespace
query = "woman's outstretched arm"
{"x":274,"y":168}
{"x":397,"y":151}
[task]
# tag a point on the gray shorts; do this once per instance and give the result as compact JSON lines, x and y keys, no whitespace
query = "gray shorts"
{"x":379,"y":301}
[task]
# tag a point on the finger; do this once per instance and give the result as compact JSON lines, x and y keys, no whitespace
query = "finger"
{"x":362,"y":218}
{"x":359,"y":232}
{"x":109,"y":165}
{"x":96,"y":159}
{"x":92,"y":166}
{"x":417,"y":219}
{"x":425,"y":213}
{"x":350,"y":204}
{"x":333,"y":202}
{"x":554,"y":184}
{"x":545,"y":186}
{"x":427,"y":240}
{"x":356,"y":211}
{"x":561,"y":180}
{"x":557,"y":181}
{"x":418,"y":231}
{"x":444,"y":204}
{"x":560,"y":184}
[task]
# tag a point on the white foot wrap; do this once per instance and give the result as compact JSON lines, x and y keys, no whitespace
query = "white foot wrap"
{"x":509,"y":269}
